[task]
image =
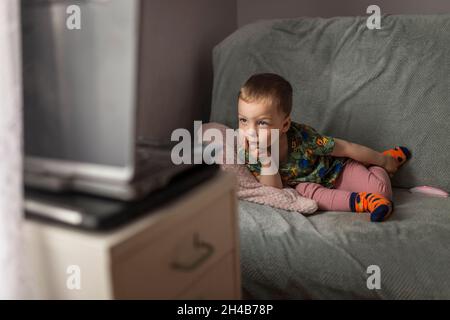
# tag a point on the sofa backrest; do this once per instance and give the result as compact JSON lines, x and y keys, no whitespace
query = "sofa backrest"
{"x":380,"y":88}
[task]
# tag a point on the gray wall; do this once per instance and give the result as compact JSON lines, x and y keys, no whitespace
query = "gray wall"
{"x":177,"y":62}
{"x":184,"y":32}
{"x":252,"y":10}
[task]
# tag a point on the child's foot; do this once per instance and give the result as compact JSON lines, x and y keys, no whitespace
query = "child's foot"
{"x":379,"y":207}
{"x":401,"y":154}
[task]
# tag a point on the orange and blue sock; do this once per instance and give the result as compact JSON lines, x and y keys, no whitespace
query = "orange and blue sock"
{"x":401,"y":154}
{"x":379,"y":207}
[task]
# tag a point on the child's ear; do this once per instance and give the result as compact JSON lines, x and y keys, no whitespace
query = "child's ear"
{"x":286,"y":124}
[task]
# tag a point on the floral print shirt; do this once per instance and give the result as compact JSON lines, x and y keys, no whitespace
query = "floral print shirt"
{"x":309,"y":158}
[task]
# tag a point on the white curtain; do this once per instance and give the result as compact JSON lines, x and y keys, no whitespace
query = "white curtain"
{"x":12,"y":269}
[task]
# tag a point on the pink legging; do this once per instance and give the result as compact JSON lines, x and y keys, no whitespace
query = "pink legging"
{"x":355,"y":177}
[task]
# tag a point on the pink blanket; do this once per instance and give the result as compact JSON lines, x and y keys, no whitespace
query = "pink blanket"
{"x":250,"y":189}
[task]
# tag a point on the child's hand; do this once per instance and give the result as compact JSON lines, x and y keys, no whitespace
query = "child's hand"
{"x":252,"y":144}
{"x":390,"y":165}
{"x":255,"y":150}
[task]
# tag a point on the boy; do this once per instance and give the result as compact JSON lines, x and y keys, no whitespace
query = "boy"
{"x":339,"y":175}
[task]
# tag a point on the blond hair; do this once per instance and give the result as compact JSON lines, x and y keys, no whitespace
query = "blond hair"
{"x":268,"y":88}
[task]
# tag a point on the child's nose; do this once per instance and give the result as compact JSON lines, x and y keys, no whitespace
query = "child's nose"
{"x":252,"y":134}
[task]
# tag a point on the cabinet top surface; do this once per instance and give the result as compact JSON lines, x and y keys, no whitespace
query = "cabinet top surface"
{"x":201,"y":196}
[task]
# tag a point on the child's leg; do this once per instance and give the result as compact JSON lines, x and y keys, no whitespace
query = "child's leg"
{"x":327,"y":199}
{"x":356,"y":177}
{"x":358,"y":189}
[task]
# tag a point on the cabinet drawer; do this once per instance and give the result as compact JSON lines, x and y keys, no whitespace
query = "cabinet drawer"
{"x":171,"y":262}
{"x":219,"y":283}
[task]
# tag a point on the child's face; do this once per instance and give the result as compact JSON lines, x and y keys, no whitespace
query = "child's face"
{"x":255,"y":116}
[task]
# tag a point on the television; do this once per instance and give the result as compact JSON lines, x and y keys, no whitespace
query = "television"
{"x":85,"y":94}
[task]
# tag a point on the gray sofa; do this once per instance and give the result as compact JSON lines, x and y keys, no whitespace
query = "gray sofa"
{"x":379,"y":88}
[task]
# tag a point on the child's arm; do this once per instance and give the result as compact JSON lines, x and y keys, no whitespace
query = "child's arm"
{"x":363,"y":154}
{"x":266,"y":175}
{"x":272,"y":180}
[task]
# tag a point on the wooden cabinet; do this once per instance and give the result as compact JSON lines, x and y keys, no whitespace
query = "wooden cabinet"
{"x":188,"y":249}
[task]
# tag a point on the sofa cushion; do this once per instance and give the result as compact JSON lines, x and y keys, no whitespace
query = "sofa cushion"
{"x":286,"y":255}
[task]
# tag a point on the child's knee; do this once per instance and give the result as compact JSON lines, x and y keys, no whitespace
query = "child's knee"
{"x":385,"y":189}
{"x":382,"y":182}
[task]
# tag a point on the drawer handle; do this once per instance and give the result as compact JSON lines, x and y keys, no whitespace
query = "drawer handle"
{"x":198,"y":245}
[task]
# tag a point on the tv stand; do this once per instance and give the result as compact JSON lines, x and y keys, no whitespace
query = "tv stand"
{"x":186,"y":249}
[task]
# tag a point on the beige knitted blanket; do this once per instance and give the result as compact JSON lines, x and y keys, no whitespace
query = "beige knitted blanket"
{"x":249,"y":189}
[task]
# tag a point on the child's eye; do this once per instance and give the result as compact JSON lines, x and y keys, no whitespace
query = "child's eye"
{"x":242,"y":120}
{"x":263,"y":123}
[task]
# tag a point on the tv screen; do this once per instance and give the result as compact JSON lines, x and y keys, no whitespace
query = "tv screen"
{"x":79,"y":84}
